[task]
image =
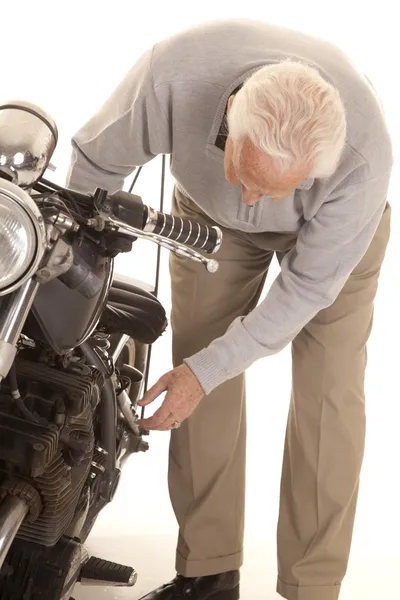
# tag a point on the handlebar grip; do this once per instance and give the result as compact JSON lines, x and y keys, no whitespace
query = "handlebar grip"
{"x":184,"y":231}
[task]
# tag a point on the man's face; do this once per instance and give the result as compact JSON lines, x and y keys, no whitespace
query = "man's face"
{"x":250,"y":168}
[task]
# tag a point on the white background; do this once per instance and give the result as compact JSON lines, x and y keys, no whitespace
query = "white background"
{"x":67,"y":57}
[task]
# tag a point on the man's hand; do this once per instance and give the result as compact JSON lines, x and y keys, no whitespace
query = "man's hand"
{"x":184,"y":392}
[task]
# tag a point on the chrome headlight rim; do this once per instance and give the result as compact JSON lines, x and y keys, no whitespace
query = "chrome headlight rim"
{"x":14,"y":193}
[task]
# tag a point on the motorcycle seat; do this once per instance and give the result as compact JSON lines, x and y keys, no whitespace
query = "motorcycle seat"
{"x":133,"y":311}
{"x":124,"y":281}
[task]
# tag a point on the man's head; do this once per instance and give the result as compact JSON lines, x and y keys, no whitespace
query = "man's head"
{"x":285,"y":125}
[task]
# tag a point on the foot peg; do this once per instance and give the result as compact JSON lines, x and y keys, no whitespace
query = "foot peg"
{"x":103,"y":572}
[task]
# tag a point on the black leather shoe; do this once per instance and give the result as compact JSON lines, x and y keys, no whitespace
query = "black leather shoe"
{"x":212,"y":587}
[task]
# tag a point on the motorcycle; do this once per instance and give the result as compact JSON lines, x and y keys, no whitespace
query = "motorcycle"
{"x":74,"y":348}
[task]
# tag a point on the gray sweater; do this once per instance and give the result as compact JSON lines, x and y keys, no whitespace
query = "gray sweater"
{"x":173,"y":101}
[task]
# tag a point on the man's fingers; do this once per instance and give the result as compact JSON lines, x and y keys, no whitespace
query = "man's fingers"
{"x":166,"y":425}
{"x":153,"y":393}
{"x":161,"y":415}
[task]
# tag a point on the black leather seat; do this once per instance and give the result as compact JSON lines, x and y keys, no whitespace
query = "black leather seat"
{"x":133,"y":311}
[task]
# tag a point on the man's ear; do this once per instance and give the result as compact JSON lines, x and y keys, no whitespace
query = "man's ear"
{"x":230,"y":102}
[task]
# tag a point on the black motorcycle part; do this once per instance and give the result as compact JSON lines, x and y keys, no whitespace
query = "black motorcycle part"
{"x":128,"y":208}
{"x":133,"y":295}
{"x":133,"y":374}
{"x":97,"y":569}
{"x":136,"y":313}
{"x":75,"y":389}
{"x":107,"y":422}
{"x":116,"y":243}
{"x":136,"y":379}
{"x":55,"y":460}
{"x":60,"y":488}
{"x":80,"y":277}
{"x":33,"y":572}
{"x":26,"y":446}
{"x":65,"y":317}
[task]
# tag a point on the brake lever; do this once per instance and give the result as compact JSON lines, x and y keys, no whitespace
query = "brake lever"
{"x":210,"y":264}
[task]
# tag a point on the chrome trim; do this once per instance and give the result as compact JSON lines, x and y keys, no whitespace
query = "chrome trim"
{"x":151,"y":221}
{"x":132,"y":579}
{"x":190,"y":232}
{"x":198,"y":235}
{"x":12,"y":320}
{"x":7,"y":357}
{"x":98,"y":466}
{"x":220,"y":237}
{"x":63,"y":222}
{"x":212,"y":265}
{"x":164,"y":224}
{"x":100,"y":305}
{"x":28,"y":137}
{"x":13,"y":511}
{"x":205,"y":242}
{"x":15,"y":311}
{"x":101,"y":450}
{"x":126,"y":407}
{"x":15,"y":194}
{"x":173,"y":226}
{"x":171,"y":245}
{"x":181,"y":229}
{"x":120,"y":346}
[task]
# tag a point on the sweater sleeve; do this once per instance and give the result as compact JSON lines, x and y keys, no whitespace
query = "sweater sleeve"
{"x":328,"y":248}
{"x":129,"y":130}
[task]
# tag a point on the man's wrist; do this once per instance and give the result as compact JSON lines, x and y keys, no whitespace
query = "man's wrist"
{"x":206,"y":370}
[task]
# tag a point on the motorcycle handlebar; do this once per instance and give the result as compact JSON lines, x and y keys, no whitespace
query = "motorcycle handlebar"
{"x":127,"y":212}
{"x":183,"y":231}
{"x":130,"y":209}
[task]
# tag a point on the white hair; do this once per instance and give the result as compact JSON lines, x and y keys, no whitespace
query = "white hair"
{"x":293,"y":115}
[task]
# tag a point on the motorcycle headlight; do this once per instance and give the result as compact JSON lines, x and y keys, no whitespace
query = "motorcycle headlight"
{"x":22,"y":237}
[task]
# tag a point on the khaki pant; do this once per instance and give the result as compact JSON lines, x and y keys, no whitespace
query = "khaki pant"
{"x":326,"y":428}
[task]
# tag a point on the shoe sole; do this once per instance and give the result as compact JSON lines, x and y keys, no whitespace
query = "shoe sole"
{"x":233,"y":594}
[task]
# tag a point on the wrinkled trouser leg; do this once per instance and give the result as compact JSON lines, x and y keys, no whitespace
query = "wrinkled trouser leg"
{"x":325,"y":436}
{"x":208,"y":452}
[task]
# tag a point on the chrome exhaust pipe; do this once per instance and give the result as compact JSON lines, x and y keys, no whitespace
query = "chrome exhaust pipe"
{"x":13,"y":511}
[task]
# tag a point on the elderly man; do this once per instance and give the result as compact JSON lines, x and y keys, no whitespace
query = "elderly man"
{"x":277,"y":138}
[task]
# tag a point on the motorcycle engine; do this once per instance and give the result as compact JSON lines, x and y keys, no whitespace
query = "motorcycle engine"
{"x":50,"y":442}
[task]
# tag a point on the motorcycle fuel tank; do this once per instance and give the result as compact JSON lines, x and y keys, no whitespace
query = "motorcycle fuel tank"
{"x":65,"y":316}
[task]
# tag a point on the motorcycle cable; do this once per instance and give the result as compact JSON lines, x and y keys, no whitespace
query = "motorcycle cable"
{"x":135,"y":180}
{"x":16,"y":396}
{"x":158,"y":265}
{"x":156,"y":286}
